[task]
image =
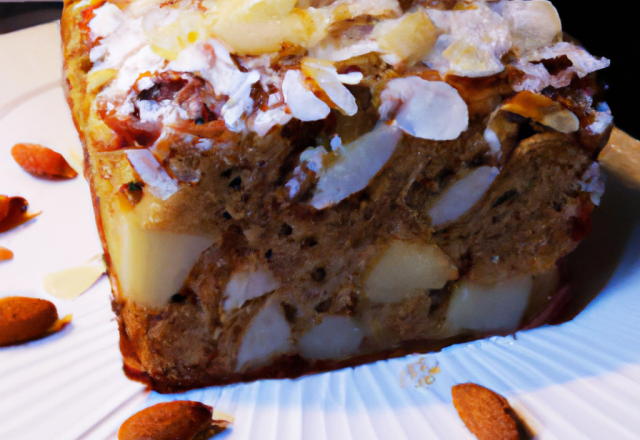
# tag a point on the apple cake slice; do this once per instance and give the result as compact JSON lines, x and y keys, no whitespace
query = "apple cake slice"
{"x":283,"y":186}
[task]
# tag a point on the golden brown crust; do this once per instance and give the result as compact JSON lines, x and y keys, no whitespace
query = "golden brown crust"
{"x":76,"y":46}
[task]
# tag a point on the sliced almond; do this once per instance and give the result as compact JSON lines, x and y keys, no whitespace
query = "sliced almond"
{"x":462,"y":195}
{"x":353,"y":166}
{"x":302,"y":103}
{"x":327,"y":78}
{"x":5,"y":254}
{"x":222,"y":420}
{"x":73,"y":282}
{"x":253,"y":27}
{"x":534,"y":24}
{"x":479,"y":38}
{"x":621,"y":157}
{"x":23,"y":319}
{"x":425,"y":109}
{"x":59,"y":325}
{"x":410,"y":37}
{"x":177,"y":420}
{"x":536,"y":77}
{"x":152,"y":173}
{"x":543,"y":110}
{"x":14,"y":212}
{"x":41,"y":161}
{"x":485,"y":413}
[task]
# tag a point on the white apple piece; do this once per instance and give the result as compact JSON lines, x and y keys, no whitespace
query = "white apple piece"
{"x":407,"y":269}
{"x":336,"y":337}
{"x":268,"y":335}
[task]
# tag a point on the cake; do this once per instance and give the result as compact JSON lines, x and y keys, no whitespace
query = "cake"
{"x":284,"y":187}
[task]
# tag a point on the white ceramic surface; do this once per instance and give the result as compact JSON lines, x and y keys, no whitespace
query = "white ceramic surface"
{"x":579,"y":380}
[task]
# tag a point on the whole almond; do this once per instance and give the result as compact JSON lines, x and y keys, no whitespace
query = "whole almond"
{"x":5,"y":204}
{"x":485,"y":413}
{"x":14,"y":211}
{"x":5,"y":254}
{"x":177,"y":420}
{"x":41,"y":161}
{"x":23,"y":319}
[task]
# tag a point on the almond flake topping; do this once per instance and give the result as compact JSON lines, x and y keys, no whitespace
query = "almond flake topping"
{"x":328,"y":80}
{"x":304,"y":105}
{"x":534,"y":24}
{"x":543,"y":110}
{"x":472,"y":43}
{"x":425,"y":109}
{"x":152,"y":173}
{"x":536,"y":77}
{"x":410,"y":37}
{"x":232,"y":44}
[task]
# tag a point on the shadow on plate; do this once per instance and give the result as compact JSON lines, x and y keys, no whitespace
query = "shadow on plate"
{"x":598,"y":257}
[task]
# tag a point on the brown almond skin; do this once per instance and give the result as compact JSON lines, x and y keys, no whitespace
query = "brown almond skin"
{"x":14,"y":211}
{"x":177,"y":420}
{"x":485,"y":413}
{"x":5,"y":254}
{"x":41,"y":161}
{"x":5,"y":204}
{"x":23,"y":319}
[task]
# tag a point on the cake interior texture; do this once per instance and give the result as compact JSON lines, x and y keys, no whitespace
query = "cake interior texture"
{"x":290,"y":186}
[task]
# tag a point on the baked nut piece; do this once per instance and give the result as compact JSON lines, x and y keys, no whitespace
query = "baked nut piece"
{"x":175,"y":420}
{"x":285,"y":187}
{"x":487,"y":414}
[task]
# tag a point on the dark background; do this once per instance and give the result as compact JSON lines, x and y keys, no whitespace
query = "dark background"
{"x":608,"y":29}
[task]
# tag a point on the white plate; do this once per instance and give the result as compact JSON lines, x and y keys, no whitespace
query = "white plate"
{"x":579,"y":380}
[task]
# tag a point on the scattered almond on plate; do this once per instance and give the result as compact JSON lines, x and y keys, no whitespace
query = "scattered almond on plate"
{"x":40,"y":161}
{"x":14,"y":211}
{"x":24,"y":319}
{"x":487,"y":414}
{"x":177,"y":420}
{"x":5,"y":254}
{"x":72,"y":282}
